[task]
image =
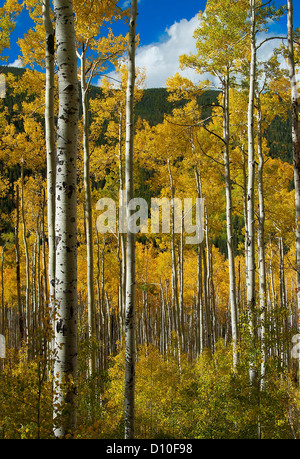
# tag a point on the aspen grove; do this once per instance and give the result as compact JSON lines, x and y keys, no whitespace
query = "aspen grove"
{"x":116,"y":320}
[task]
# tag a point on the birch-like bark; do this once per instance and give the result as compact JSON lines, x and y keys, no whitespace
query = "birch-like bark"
{"x":283,"y":304}
{"x":296,"y":145}
{"x":18,"y":270}
{"x":27,"y":311}
{"x":261,"y":244}
{"x":3,"y":322}
{"x":181,"y":283}
{"x":230,"y":248}
{"x":245,"y":209}
{"x":174,"y":271}
{"x":45,"y":273}
{"x":65,"y":367}
{"x":122,"y":241}
{"x":200,"y":319}
{"x":130,"y":351}
{"x":50,"y":145}
{"x":251,"y":179}
{"x":88,"y":215}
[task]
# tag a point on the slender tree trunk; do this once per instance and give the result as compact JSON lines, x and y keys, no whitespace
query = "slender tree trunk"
{"x":50,"y":145}
{"x":251,"y":178}
{"x":245,"y":210}
{"x":88,"y":216}
{"x":105,"y":315}
{"x":130,"y":258}
{"x":283,"y":303}
{"x":122,"y":241}
{"x":208,"y":322}
{"x":100,"y":321}
{"x":200,"y":342}
{"x":261,"y":243}
{"x":45,"y":274}
{"x":296,"y":147}
{"x":181,"y":284}
{"x":65,"y":367}
{"x":18,"y":270}
{"x":211,"y":302}
{"x":174,"y":270}
{"x":27,"y":267}
{"x":3,"y":321}
{"x":231,"y":262}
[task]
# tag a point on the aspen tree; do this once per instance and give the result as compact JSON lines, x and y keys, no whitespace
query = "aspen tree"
{"x":91,"y":17}
{"x":261,"y":240}
{"x":130,"y":255}
{"x":112,"y":107}
{"x":251,"y":179}
{"x":222,"y":23}
{"x":50,"y":144}
{"x":296,"y":142}
{"x":259,"y":14}
{"x":231,"y":258}
{"x":65,"y":367}
{"x":18,"y":272}
{"x":199,"y":303}
{"x":267,"y":104}
{"x":24,"y":233}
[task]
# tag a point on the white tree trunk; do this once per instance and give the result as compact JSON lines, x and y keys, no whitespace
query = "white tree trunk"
{"x":88,"y":217}
{"x":200,"y":319}
{"x":130,"y":258}
{"x":122,"y":241}
{"x":261,"y":244}
{"x":50,"y":145}
{"x":65,"y":368}
{"x":18,"y":271}
{"x":296,"y":145}
{"x":231,"y":261}
{"x":27,"y":310}
{"x":251,"y":179}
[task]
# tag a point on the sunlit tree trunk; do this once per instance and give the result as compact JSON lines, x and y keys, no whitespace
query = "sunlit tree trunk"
{"x":296,"y":145}
{"x":45,"y":274}
{"x":3,"y":321}
{"x":18,"y":269}
{"x":176,"y":306}
{"x":251,"y":179}
{"x":231,"y":262}
{"x":88,"y":214}
{"x":122,"y":240}
{"x":200,"y":319}
{"x":130,"y":351}
{"x":27,"y":268}
{"x":65,"y":367}
{"x":50,"y":144}
{"x":181,"y":283}
{"x":261,"y":243}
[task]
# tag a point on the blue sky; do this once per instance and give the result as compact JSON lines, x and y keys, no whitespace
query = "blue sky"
{"x":166,"y":31}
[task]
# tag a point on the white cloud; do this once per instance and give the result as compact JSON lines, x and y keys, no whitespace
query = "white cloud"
{"x":161,"y":60}
{"x":266,"y":50}
{"x":16,"y":63}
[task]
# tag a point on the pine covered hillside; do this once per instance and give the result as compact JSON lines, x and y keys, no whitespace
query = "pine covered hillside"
{"x":154,"y":105}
